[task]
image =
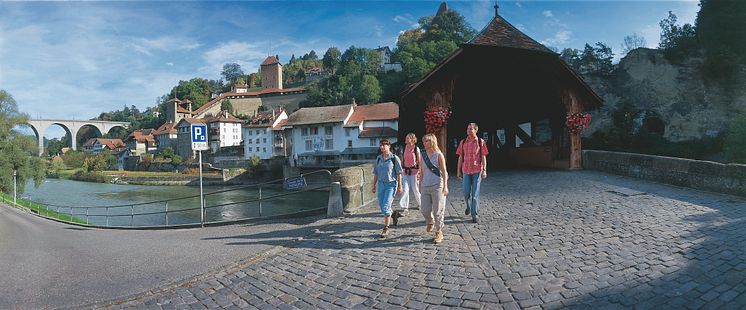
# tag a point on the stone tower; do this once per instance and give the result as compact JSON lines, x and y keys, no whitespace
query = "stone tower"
{"x":271,"y":73}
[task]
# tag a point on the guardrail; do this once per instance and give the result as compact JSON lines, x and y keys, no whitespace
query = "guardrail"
{"x":115,"y":216}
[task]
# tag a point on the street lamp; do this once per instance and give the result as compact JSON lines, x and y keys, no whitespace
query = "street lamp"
{"x":14,"y":187}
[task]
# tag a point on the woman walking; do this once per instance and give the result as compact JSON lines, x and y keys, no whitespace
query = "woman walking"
{"x":411,"y":161}
{"x":433,"y":186}
{"x":387,"y":181}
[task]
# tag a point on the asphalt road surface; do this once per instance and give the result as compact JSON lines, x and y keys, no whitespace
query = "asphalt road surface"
{"x":45,"y":264}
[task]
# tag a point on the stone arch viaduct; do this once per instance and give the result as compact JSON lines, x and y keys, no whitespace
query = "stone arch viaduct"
{"x":71,"y":127}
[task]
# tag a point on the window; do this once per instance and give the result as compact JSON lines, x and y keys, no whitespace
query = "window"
{"x":222,"y":137}
{"x":264,"y":149}
{"x":329,"y":144}
{"x":249,"y":132}
{"x":347,"y":132}
{"x":372,"y":142}
{"x":257,"y":140}
{"x":309,"y":145}
{"x":250,"y":141}
{"x":304,"y":132}
{"x":265,"y":140}
{"x":328,"y":130}
{"x":315,"y":130}
{"x":257,"y":149}
{"x":349,"y":143}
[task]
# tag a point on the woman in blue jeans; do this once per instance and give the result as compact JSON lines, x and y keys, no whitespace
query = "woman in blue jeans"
{"x":387,"y":181}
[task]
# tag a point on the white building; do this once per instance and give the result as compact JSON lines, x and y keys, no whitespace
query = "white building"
{"x":336,"y":135}
{"x":223,"y":130}
{"x":141,"y":142}
{"x":263,"y":135}
{"x":368,"y":125}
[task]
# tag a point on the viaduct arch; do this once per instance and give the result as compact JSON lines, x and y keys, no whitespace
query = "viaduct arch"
{"x":71,"y":127}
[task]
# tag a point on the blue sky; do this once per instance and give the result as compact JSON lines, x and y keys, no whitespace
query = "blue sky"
{"x":78,"y":59}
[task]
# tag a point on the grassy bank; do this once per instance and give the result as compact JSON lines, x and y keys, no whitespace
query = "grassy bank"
{"x":39,"y":209}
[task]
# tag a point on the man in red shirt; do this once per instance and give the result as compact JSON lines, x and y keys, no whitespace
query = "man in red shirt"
{"x":472,"y":164}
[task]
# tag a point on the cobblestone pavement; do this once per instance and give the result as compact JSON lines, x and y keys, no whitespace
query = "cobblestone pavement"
{"x":546,"y":240}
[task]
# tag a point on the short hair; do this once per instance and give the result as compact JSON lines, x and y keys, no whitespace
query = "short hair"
{"x":384,"y":142}
{"x":411,"y":134}
{"x":473,"y":124}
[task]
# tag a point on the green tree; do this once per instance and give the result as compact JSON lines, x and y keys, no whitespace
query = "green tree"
{"x":676,"y":41}
{"x":226,"y":105}
{"x":198,"y":90}
{"x":17,"y":152}
{"x":56,"y":165}
{"x":419,"y":50}
{"x":231,"y":72}
{"x":721,"y":31}
{"x":722,"y":24}
{"x":331,"y":60}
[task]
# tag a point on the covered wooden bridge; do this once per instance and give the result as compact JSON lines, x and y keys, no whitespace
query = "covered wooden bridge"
{"x":518,"y":91}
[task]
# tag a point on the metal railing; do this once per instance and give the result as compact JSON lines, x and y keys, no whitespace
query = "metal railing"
{"x":114,"y":215}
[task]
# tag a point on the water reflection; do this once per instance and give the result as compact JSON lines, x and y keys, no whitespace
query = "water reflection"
{"x":122,"y":200}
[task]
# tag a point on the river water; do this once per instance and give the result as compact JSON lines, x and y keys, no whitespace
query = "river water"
{"x":124,"y":200}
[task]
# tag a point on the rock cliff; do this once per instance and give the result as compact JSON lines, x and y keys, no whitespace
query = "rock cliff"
{"x":673,"y":99}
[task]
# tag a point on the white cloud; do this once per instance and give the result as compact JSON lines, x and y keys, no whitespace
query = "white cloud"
{"x":170,"y":64}
{"x":407,"y":20}
{"x":518,"y":4}
{"x":560,"y":37}
{"x":547,"y":13}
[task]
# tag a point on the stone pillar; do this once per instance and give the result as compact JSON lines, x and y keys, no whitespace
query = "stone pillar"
{"x":335,"y":208}
{"x":40,"y":133}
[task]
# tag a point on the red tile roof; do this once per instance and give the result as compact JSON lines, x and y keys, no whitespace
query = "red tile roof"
{"x":373,"y":112}
{"x":375,"y":132}
{"x":319,"y":115}
{"x":167,"y":128}
{"x":270,"y":60}
{"x":107,"y":143}
{"x":142,"y":136}
{"x":500,"y":32}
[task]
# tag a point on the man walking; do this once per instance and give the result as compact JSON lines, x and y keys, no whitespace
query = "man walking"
{"x":472,"y":164}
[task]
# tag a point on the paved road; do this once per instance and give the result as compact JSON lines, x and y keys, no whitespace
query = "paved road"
{"x":45,"y":264}
{"x":548,"y":239}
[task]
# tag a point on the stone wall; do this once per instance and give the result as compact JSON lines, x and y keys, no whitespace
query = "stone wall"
{"x":704,"y":175}
{"x":357,"y":184}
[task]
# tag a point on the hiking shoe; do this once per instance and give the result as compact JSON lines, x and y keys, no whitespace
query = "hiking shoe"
{"x":475,"y":220}
{"x":467,"y":212}
{"x":429,"y":228}
{"x":405,"y":212}
{"x":438,"y":237}
{"x":385,"y":232}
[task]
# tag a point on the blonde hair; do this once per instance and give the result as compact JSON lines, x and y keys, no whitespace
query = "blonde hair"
{"x":411,"y":134}
{"x":433,"y":140}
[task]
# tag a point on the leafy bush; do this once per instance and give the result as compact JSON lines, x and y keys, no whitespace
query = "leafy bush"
{"x":256,"y":166}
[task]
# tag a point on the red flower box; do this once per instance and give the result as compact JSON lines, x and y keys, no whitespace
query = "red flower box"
{"x":436,"y":119}
{"x":577,"y":122}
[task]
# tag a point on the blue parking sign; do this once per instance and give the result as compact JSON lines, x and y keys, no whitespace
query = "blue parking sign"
{"x":199,"y":137}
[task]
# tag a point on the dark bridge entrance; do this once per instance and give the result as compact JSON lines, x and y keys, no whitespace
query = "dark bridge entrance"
{"x":517,"y":90}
